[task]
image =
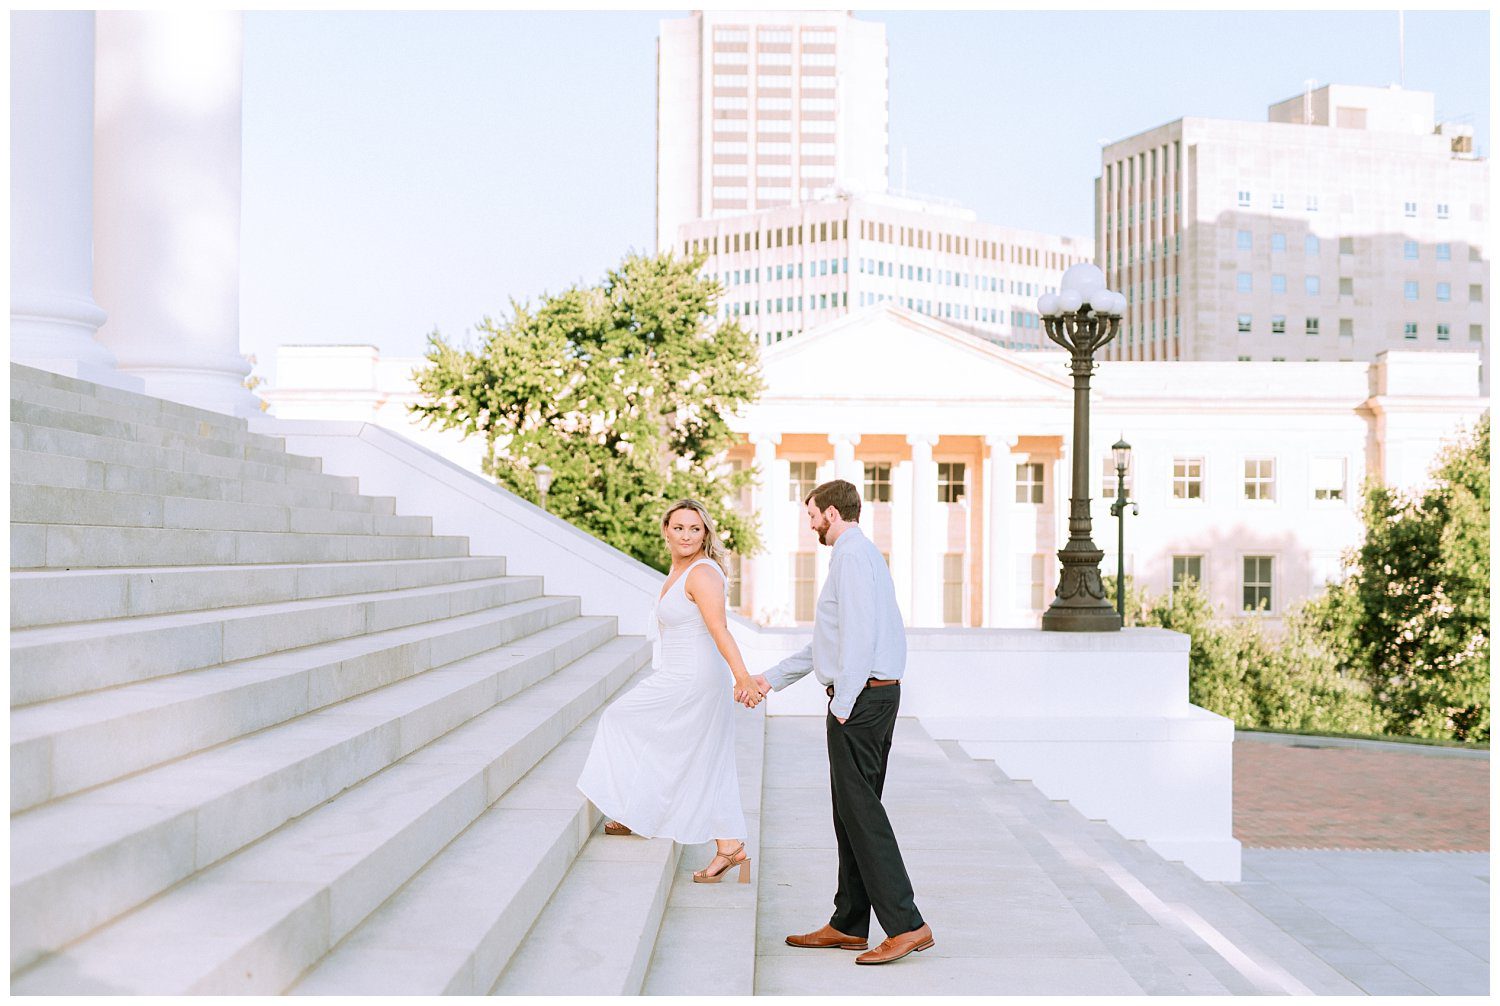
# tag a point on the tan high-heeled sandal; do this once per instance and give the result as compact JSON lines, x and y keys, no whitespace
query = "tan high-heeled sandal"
{"x":733,"y":859}
{"x":616,"y":828}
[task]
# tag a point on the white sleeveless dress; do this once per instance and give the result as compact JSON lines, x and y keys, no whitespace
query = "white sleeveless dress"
{"x":662,"y":762}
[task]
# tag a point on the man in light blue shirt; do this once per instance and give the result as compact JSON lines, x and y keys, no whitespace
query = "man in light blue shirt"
{"x":858,"y":654}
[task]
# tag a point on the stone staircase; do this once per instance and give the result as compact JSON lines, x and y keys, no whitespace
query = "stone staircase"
{"x":266,"y":734}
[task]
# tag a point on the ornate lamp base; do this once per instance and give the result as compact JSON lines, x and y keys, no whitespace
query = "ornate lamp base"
{"x":1079,"y":604}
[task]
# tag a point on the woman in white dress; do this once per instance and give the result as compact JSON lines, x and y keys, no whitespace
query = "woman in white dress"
{"x":662,"y":761}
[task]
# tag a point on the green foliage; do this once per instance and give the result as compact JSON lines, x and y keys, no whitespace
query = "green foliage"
{"x":1412,"y":617}
{"x":622,"y":389}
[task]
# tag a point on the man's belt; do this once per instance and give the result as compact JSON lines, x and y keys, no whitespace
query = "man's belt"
{"x":872,"y":683}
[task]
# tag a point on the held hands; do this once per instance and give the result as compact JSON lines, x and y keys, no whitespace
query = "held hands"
{"x":749,"y":691}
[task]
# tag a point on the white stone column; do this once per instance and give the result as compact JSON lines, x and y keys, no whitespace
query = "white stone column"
{"x":759,"y":575}
{"x":901,"y":535}
{"x":167,"y":202}
{"x":784,"y":546}
{"x":844,"y":464}
{"x":1000,"y":492}
{"x":53,"y":314}
{"x":927,"y":535}
{"x":827,"y":472}
{"x":1062,"y":485}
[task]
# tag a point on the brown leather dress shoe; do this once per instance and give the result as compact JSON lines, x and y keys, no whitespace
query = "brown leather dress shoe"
{"x":828,"y":938}
{"x":896,"y":947}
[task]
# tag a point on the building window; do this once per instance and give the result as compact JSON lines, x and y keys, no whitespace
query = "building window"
{"x":1278,"y":200}
{"x":1346,"y":246}
{"x":1410,"y":209}
{"x":1476,"y":293}
{"x":1442,"y":211}
{"x":1330,"y":479}
{"x":1444,"y":292}
{"x":877,"y":482}
{"x":1310,"y":244}
{"x":1346,"y":286}
{"x":1444,"y":333}
{"x":1278,"y":282}
{"x":1186,"y":568}
{"x":736,"y":582}
{"x":1312,"y":284}
{"x":1244,"y":323}
{"x":1243,"y":359}
{"x":1278,"y":324}
{"x":1409,"y":330}
{"x":1244,"y":198}
{"x":953,"y":588}
{"x":1260,"y":479}
{"x":804,"y":580}
{"x":1445,"y":253}
{"x":1242,"y":240}
{"x":1346,"y":328}
{"x":804,"y":479}
{"x":1409,"y":289}
{"x":1476,"y":333}
{"x":1029,"y":482}
{"x":1312,"y":326}
{"x":1031,"y":577}
{"x":1312,"y":204}
{"x":1187,"y":478}
{"x":1409,"y":249}
{"x":1278,"y":242}
{"x":1256,"y":583}
{"x":950,"y":481}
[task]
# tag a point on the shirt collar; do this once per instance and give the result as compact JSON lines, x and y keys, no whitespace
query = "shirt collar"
{"x":851,"y":529}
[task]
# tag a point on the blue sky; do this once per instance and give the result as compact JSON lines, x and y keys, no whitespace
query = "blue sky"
{"x":406,"y":172}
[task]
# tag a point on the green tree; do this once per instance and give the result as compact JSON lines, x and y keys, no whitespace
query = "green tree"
{"x":1412,"y":617}
{"x":622,"y":389}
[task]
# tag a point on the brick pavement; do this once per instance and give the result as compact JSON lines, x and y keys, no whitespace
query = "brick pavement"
{"x":1350,"y":798}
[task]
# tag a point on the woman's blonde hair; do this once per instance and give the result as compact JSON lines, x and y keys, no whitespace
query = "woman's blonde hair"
{"x":713,"y":545}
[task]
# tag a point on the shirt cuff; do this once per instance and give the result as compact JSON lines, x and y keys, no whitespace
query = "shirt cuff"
{"x":840,"y":707}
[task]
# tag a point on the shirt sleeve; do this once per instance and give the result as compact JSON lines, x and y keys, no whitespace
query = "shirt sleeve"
{"x":791,"y":668}
{"x":857,"y":607}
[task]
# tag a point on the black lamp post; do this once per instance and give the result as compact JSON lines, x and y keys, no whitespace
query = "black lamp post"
{"x":1082,"y":318}
{"x":1121,"y":452}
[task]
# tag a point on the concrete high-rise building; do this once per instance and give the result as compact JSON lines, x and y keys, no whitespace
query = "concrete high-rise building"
{"x":1348,"y":223}
{"x":764,"y":109}
{"x":789,"y":269}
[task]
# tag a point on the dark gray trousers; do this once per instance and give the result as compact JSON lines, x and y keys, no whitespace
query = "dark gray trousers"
{"x":871,"y":871}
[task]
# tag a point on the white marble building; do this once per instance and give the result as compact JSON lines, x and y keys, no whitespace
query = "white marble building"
{"x":1247,"y":474}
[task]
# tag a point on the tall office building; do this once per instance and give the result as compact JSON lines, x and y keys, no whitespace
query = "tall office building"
{"x":789,"y":269}
{"x":1348,"y":223}
{"x":766,"y":109}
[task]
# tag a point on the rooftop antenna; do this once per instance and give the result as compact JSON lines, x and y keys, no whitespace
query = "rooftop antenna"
{"x":1401,"y":37}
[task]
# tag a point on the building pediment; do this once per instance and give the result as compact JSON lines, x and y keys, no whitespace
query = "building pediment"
{"x":888,"y":353}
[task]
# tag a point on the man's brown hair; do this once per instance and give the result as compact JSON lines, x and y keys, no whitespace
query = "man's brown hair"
{"x":840,"y":495}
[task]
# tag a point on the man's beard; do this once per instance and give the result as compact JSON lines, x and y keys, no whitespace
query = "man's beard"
{"x":823,"y":535}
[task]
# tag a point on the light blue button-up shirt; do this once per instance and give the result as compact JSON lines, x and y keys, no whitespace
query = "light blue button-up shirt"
{"x":857,"y":630}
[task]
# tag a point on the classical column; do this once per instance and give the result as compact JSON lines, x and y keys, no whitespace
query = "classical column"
{"x":1000,"y":491}
{"x":53,"y":315}
{"x":759,"y":573}
{"x":927,"y":534}
{"x":1062,"y":486}
{"x":844,"y":464}
{"x":167,"y":203}
{"x":827,"y":472}
{"x":901,"y":533}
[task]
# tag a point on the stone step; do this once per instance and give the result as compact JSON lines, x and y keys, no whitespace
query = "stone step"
{"x":48,"y":597}
{"x":52,"y":546}
{"x":678,"y":965}
{"x":89,"y":858}
{"x":88,"y":446}
{"x":31,"y":504}
{"x":138,"y":414}
{"x":63,"y":747}
{"x":1244,"y":952}
{"x":603,"y":920}
{"x":256,"y":921}
{"x":453,"y":927}
{"x":43,"y":387}
{"x":28,"y":468}
{"x":53,"y":661}
{"x":245,"y":447}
